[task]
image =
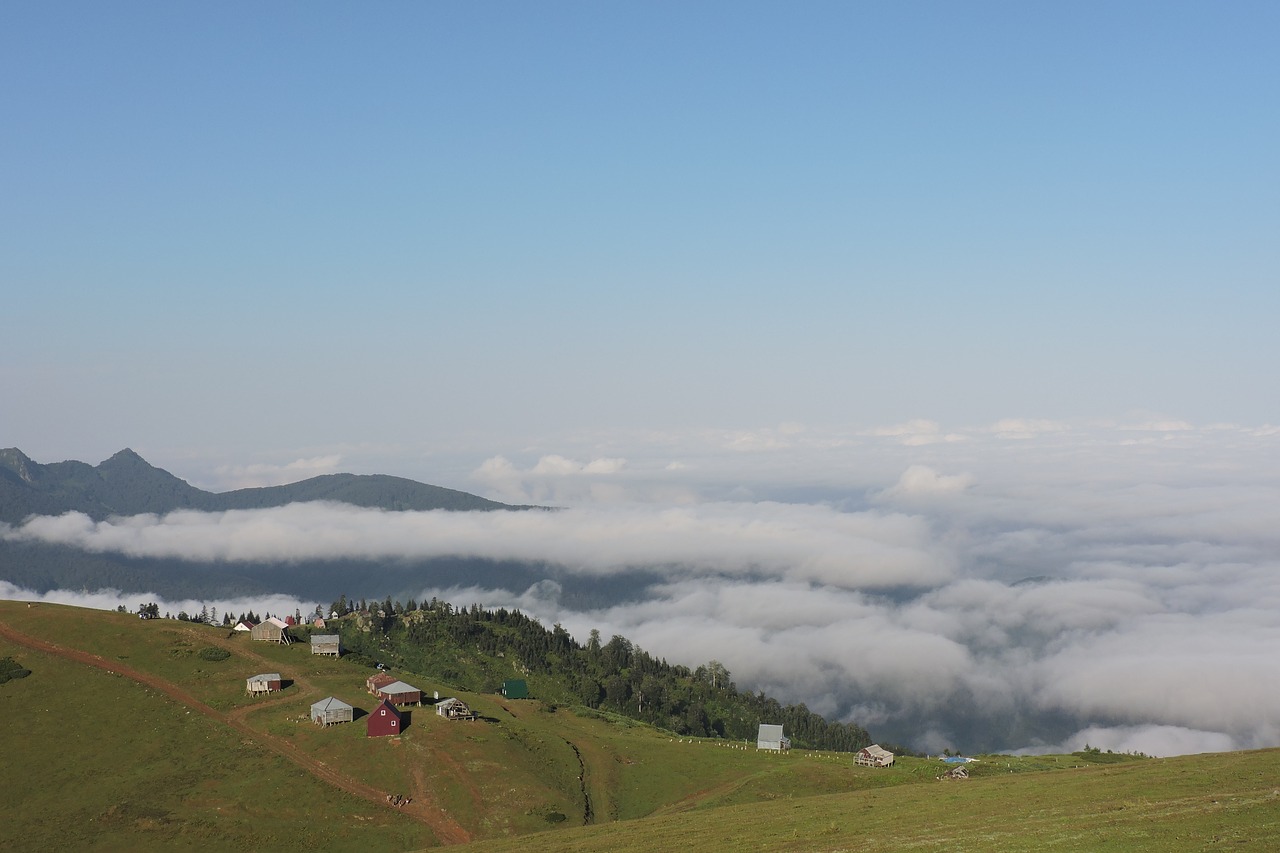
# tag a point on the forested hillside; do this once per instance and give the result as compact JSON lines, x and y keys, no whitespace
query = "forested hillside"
{"x":476,"y":649}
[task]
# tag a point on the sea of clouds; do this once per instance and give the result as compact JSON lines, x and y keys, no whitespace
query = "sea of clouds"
{"x":1030,"y":585}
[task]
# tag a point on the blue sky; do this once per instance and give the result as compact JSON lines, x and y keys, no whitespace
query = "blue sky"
{"x":235,"y":232}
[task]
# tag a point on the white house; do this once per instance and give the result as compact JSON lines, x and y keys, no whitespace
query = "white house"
{"x":771,"y":737}
{"x":267,"y":682}
{"x":328,"y":712}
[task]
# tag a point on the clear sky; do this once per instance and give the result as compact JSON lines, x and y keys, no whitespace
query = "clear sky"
{"x":242,"y":232}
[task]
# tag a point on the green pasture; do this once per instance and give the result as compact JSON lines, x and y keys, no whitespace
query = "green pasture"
{"x":96,"y":761}
{"x":99,"y":761}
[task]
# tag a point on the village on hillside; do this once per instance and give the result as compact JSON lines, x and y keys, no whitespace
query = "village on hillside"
{"x":391,"y":697}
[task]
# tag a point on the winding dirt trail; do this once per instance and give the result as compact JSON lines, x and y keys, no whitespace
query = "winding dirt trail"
{"x":442,"y":826}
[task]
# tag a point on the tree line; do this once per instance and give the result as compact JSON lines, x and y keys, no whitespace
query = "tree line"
{"x":477,"y":649}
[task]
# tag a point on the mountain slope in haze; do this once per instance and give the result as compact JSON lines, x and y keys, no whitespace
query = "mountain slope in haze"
{"x":126,"y":484}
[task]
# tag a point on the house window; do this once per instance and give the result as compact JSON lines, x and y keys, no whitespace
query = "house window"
{"x":393,"y":724}
{"x":382,"y":713}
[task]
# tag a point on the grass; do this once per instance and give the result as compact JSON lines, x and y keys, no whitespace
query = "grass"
{"x":96,"y":761}
{"x":99,"y":761}
{"x":1190,"y":803}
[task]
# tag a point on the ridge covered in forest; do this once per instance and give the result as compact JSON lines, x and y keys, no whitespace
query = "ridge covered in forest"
{"x":478,"y":649}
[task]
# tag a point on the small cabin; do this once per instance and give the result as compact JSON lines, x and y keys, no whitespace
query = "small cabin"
{"x":771,"y":737}
{"x":454,"y":709}
{"x":873,"y":756}
{"x":385,"y":720}
{"x":326,"y":644}
{"x":259,"y":685}
{"x":331,"y":711}
{"x":399,"y":693}
{"x":271,"y":631}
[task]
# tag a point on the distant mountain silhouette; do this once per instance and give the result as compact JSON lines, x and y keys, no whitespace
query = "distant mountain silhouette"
{"x":126,"y":484}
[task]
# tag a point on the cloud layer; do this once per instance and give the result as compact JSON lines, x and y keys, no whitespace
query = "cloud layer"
{"x":1031,"y":585}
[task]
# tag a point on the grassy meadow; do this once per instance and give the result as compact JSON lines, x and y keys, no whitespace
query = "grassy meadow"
{"x":100,"y":761}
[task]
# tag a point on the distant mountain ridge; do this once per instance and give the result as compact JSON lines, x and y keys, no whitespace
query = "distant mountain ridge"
{"x":126,"y":484}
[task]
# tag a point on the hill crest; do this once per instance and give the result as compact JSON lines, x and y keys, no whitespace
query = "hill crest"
{"x":126,"y":484}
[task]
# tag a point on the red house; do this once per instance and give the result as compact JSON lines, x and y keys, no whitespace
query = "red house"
{"x":385,"y":720}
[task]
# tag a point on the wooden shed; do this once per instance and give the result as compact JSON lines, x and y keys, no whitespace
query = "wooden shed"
{"x":328,"y":712}
{"x":873,"y":756}
{"x":377,"y":681}
{"x":771,"y":737}
{"x":384,"y":720}
{"x":515,"y":688}
{"x":267,"y":682}
{"x":454,"y":709}
{"x":272,"y":631}
{"x":399,"y":693}
{"x":326,"y":644}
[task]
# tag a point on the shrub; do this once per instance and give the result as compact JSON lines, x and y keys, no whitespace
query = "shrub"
{"x":11,"y":669}
{"x":213,"y":653}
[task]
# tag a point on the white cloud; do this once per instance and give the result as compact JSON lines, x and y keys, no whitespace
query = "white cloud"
{"x":1153,"y":740}
{"x":923,"y":480}
{"x":1025,"y":428}
{"x":1059,"y":588}
{"x":263,"y":474}
{"x":915,"y":433}
{"x":111,"y":599}
{"x":811,"y":543}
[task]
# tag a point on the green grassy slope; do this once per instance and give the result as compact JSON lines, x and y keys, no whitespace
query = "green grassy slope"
{"x":1209,"y":802}
{"x":96,"y":761}
{"x":100,"y":761}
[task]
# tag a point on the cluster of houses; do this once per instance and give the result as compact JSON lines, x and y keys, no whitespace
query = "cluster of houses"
{"x":392,"y":694}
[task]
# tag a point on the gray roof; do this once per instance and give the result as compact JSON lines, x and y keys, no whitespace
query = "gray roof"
{"x":324,"y":638}
{"x":331,"y":704}
{"x":398,"y":687}
{"x":768,"y":732}
{"x":266,"y":676}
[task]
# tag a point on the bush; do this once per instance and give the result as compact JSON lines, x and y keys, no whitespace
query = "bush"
{"x":11,"y":669}
{"x":213,"y":653}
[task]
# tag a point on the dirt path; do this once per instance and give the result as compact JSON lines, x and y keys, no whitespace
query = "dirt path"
{"x":448,"y":829}
{"x":445,"y":829}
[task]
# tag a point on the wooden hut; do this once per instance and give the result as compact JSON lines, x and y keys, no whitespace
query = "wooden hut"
{"x":873,"y":756}
{"x":379,"y":680}
{"x":325,"y":644}
{"x":384,"y":720}
{"x":771,"y":737}
{"x":399,"y":693}
{"x":272,"y":631}
{"x":331,"y":711}
{"x":258,"y":685}
{"x":454,"y":709}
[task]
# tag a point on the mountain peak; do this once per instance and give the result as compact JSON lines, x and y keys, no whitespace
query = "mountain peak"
{"x":17,"y":462}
